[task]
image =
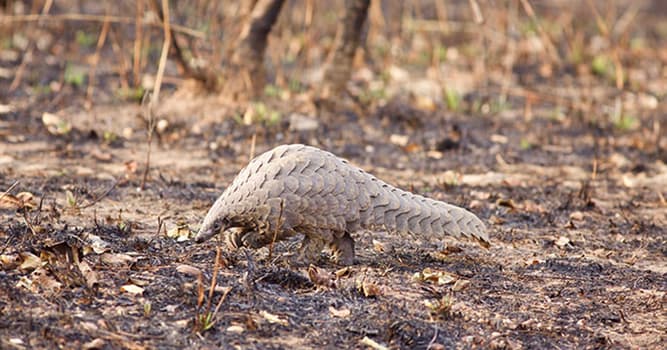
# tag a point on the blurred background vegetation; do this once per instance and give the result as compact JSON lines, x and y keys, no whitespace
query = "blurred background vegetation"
{"x":600,"y":61}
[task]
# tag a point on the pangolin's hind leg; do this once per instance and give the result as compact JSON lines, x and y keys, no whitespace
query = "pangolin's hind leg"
{"x":312,"y":245}
{"x":342,"y":248}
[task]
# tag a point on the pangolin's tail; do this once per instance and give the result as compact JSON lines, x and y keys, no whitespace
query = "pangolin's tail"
{"x":411,"y":213}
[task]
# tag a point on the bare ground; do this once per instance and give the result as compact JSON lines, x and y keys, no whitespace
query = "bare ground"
{"x":578,"y":259}
{"x":565,"y":165}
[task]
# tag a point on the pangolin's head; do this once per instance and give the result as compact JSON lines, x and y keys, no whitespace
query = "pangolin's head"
{"x":214,"y":223}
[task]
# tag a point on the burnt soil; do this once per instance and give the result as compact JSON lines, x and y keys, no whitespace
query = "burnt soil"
{"x":573,"y":201}
{"x":575,"y":261}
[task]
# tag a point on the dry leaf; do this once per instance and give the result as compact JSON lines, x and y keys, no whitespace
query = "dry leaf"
{"x":118,"y":259}
{"x":434,"y":154}
{"x":20,"y":201}
{"x":17,"y":342}
{"x":10,"y":202}
{"x":450,"y":249}
{"x":563,"y":242}
{"x":496,"y":220}
{"x":506,"y":203}
{"x":368,"y":289}
{"x":27,"y":199}
{"x":399,"y":140}
{"x":235,"y":329}
{"x":131,"y":167}
{"x":182,"y":323}
{"x":162,"y":125}
{"x":373,"y":344}
{"x":378,"y":246}
{"x":345,"y":271}
{"x":138,"y":281}
{"x":321,"y":278}
{"x":89,"y":326}
{"x":438,"y":277}
{"x":412,"y":147}
{"x":576,"y":216}
{"x":181,"y":232}
{"x":41,"y":279}
{"x":132,"y":289}
{"x":497,"y":138}
{"x":91,"y":276}
{"x":55,"y":125}
{"x":342,"y":313}
{"x":4,"y":109}
{"x":460,"y":285}
{"x":24,"y":282}
{"x":532,"y":207}
{"x":30,"y":261}
{"x":273,"y":318}
{"x":188,"y":270}
{"x":9,"y":261}
{"x":101,"y":156}
{"x":97,"y":343}
{"x":424,"y":103}
{"x":97,"y":244}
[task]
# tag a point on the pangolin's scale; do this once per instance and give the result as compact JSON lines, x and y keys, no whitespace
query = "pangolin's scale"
{"x":295,"y":189}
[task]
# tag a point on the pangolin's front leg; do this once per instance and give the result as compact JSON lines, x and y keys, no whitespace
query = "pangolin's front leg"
{"x":342,"y":248}
{"x":239,"y":237}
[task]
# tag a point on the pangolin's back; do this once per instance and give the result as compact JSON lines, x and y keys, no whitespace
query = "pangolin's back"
{"x":303,"y":188}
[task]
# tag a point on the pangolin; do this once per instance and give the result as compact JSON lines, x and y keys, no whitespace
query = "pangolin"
{"x":298,"y":189}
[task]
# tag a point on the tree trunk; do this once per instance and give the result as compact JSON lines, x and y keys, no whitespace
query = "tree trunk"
{"x":247,"y":74}
{"x":340,"y":68}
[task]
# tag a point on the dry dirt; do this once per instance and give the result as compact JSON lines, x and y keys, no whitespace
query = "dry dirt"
{"x":578,"y":254}
{"x":568,"y":170}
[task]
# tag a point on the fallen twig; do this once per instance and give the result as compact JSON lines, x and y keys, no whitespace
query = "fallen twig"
{"x":97,"y":18}
{"x":154,"y":98}
{"x":96,"y":59}
{"x":100,"y":197}
{"x":9,"y":189}
{"x":278,"y":225}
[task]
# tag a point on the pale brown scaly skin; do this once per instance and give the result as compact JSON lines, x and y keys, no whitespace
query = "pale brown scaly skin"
{"x":297,"y":189}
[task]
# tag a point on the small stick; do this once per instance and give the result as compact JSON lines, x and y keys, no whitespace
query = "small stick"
{"x":156,"y":88}
{"x":224,"y":296}
{"x":214,"y":279}
{"x":275,"y":232}
{"x":96,"y":59}
{"x":165,"y":52}
{"x":435,"y":337}
{"x":106,"y":193}
{"x":116,"y":46}
{"x":27,"y":222}
{"x":551,"y":49}
{"x":27,"y":54}
{"x":9,"y":189}
{"x":253,"y":141}
{"x":148,"y":109}
{"x":200,"y":300}
{"x":138,"y":35}
{"x":160,"y":222}
{"x":602,"y":26}
{"x":662,"y":198}
{"x":477,"y":13}
{"x":82,"y":17}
